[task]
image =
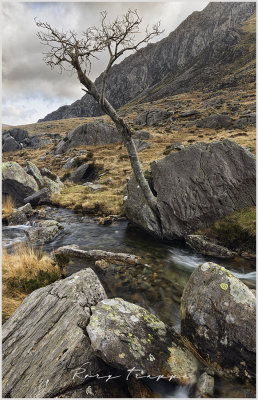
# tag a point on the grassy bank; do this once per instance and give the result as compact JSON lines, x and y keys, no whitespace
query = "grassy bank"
{"x":236,"y":231}
{"x":23,"y":272}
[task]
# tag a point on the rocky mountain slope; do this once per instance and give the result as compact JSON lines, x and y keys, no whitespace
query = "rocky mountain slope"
{"x":204,"y":47}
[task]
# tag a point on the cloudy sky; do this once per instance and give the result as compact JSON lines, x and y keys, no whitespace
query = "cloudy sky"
{"x":30,"y":88}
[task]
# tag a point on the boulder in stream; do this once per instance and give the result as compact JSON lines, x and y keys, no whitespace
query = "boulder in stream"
{"x":194,"y":187}
{"x":44,"y":341}
{"x":218,"y":316}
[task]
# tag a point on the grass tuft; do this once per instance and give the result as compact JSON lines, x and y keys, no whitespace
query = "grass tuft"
{"x":7,"y":206}
{"x":23,"y":272}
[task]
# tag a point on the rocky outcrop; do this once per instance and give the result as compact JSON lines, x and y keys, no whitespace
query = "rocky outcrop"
{"x":94,"y":133}
{"x":45,"y":338}
{"x":16,"y":139}
{"x":128,"y":337}
{"x":152,"y":118}
{"x":197,"y":48}
{"x":215,"y":121}
{"x":207,"y":247}
{"x":84,"y":173}
{"x":194,"y":187}
{"x":218,"y":315}
{"x":17,"y":183}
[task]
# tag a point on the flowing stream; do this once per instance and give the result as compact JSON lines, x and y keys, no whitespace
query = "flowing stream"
{"x":157,"y":286}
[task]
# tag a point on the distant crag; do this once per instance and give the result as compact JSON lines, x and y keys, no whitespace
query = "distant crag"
{"x":190,"y":57}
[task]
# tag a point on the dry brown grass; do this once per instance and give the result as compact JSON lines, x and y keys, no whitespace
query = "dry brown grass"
{"x":23,"y":272}
{"x":7,"y":206}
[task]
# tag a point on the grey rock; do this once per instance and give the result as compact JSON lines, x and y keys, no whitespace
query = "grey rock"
{"x":20,"y":216}
{"x":33,"y":170}
{"x":244,"y":120}
{"x":125,"y":335}
{"x":218,"y":314}
{"x":205,"y":386}
{"x":84,"y":173}
{"x":195,"y":187}
{"x":93,"y":133}
{"x":177,"y":146}
{"x":40,"y":197}
{"x":142,"y":135}
{"x":153,"y":117}
{"x":53,"y":187}
{"x":93,"y":186}
{"x":141,"y":145}
{"x":215,"y":121}
{"x":204,"y":37}
{"x":207,"y":247}
{"x":188,"y":113}
{"x":44,"y":231}
{"x":71,"y":162}
{"x":18,"y":134}
{"x":49,"y":174}
{"x":45,"y":338}
{"x":16,"y":183}
{"x":10,"y":144}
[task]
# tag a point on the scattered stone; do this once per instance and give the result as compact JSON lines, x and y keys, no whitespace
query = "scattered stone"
{"x":93,"y":133}
{"x":33,"y":170}
{"x":85,"y":172}
{"x":71,"y":162}
{"x":93,"y":186}
{"x":218,"y":316}
{"x":44,"y":231}
{"x":177,"y":146}
{"x":20,"y":216}
{"x":141,"y":145}
{"x":215,"y":121}
{"x":17,"y":183}
{"x":188,"y":113}
{"x":205,"y":386}
{"x":45,"y":339}
{"x":40,"y":197}
{"x":127,"y":337}
{"x":142,"y":135}
{"x":205,"y":246}
{"x":153,"y":117}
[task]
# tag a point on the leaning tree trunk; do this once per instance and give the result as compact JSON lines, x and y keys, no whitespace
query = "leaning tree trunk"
{"x":126,"y":134}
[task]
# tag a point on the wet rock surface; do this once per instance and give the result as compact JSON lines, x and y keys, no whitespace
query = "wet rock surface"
{"x":127,"y":337}
{"x":218,"y":316}
{"x":207,"y":247}
{"x":45,"y":338}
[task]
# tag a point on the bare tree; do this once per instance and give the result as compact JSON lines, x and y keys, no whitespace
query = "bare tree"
{"x":67,"y":49}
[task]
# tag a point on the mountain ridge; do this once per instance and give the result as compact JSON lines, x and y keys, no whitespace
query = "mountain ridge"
{"x":166,"y":59}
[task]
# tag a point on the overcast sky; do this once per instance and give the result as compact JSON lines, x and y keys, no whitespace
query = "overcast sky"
{"x":30,"y":88}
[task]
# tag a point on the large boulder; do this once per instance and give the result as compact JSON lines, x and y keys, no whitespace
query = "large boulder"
{"x":93,"y":133}
{"x":18,"y":134}
{"x":33,"y":170}
{"x":128,"y":337}
{"x":194,"y":187}
{"x":44,"y":231}
{"x":45,"y":338}
{"x":84,"y":173}
{"x":42,"y":196}
{"x":153,"y":117}
{"x":215,"y":121}
{"x":9,"y":144}
{"x":17,"y":183}
{"x":218,"y":316}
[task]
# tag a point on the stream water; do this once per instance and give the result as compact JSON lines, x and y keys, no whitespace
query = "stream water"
{"x":158,"y":286}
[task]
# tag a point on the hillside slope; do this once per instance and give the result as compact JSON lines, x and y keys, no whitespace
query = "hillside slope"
{"x":204,"y":40}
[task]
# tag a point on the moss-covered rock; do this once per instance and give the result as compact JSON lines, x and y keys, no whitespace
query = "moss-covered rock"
{"x":218,"y":314}
{"x":130,"y":338}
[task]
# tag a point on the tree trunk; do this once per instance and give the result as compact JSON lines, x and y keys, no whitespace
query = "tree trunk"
{"x":126,"y":134}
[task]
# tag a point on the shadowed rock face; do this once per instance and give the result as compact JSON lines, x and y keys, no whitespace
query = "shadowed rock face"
{"x":45,"y":338}
{"x":195,"y":187}
{"x":218,"y":314}
{"x":208,"y":34}
{"x":94,"y":133}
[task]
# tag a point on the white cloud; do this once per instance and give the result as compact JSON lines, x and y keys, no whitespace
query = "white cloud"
{"x":31,"y":90}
